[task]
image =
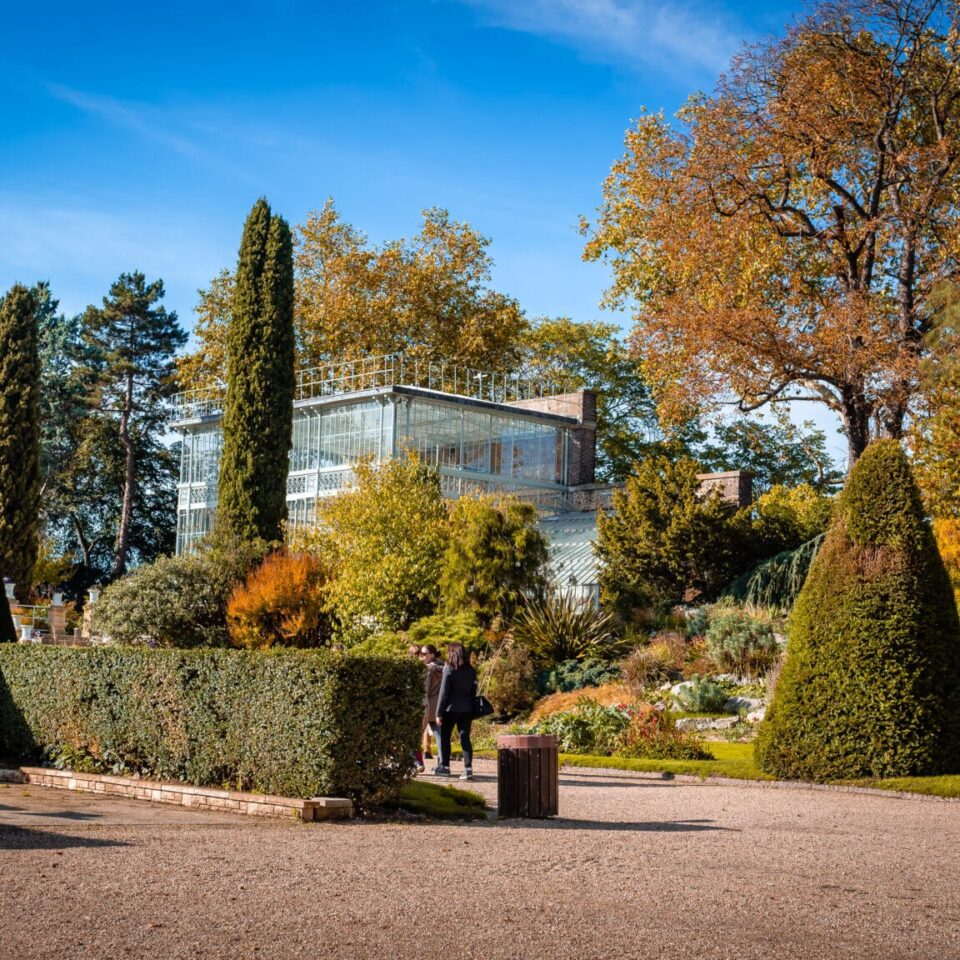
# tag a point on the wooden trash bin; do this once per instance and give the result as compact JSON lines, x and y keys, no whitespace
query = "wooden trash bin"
{"x":528,"y":776}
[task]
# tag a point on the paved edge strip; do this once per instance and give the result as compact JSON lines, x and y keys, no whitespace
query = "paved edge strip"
{"x":184,"y":794}
{"x":733,"y":782}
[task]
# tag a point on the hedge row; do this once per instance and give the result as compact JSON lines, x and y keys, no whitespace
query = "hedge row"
{"x":294,"y":723}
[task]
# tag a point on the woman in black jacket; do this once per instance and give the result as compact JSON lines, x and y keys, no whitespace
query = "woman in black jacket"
{"x":458,"y":688}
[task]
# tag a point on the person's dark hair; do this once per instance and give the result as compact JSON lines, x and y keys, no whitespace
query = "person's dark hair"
{"x":429,"y":648}
{"x":458,"y":656}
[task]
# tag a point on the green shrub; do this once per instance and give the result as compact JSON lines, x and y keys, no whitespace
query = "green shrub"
{"x":741,"y":643}
{"x":176,"y":601}
{"x":871,"y":683}
{"x":653,"y":735}
{"x":443,"y":628}
{"x":589,"y":728}
{"x":575,"y":675}
{"x":696,"y":621}
{"x":702,"y":696}
{"x":564,"y":628}
{"x":291,"y":722}
{"x":512,"y":688}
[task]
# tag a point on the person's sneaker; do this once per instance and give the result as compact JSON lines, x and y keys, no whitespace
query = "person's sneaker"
{"x":467,"y":774}
{"x":439,"y":771}
{"x":419,"y":768}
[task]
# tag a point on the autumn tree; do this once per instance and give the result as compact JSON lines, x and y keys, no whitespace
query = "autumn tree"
{"x":784,"y":239}
{"x":258,"y":412}
{"x":935,"y":432}
{"x":428,"y":296}
{"x":19,"y":437}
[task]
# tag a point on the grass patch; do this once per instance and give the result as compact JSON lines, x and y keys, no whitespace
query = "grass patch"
{"x":943,"y":786}
{"x":730,"y":760}
{"x":442,"y":803}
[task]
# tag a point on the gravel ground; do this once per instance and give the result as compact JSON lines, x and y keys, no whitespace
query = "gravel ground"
{"x":634,"y":869}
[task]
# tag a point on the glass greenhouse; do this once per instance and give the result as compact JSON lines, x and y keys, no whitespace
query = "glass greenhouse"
{"x":482,"y":430}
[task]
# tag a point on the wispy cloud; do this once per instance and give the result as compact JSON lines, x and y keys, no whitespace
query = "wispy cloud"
{"x":641,"y":32}
{"x":137,"y":118}
{"x":82,"y":247}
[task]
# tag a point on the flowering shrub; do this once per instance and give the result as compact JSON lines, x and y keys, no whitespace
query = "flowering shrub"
{"x":652,"y":735}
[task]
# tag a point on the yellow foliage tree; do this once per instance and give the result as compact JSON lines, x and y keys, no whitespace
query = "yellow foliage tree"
{"x":947,"y":533}
{"x":427,"y":296}
{"x":384,"y":540}
{"x":283,"y":602}
{"x":786,"y":238}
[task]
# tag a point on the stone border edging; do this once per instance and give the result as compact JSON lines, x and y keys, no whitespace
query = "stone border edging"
{"x":184,"y":794}
{"x":768,"y":784}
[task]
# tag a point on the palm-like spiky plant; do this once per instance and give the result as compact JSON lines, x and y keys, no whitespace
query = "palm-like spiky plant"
{"x":564,"y":628}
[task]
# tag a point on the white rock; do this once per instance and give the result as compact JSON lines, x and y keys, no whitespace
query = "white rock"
{"x":755,"y":716}
{"x":706,"y":723}
{"x":736,"y":704}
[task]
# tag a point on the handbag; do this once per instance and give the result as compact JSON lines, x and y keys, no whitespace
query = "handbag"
{"x":482,"y":707}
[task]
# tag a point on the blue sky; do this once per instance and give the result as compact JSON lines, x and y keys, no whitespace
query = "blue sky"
{"x":139,"y":136}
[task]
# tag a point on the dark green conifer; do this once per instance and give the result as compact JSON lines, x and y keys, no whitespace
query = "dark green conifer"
{"x":258,"y":414}
{"x":871,"y":683}
{"x":19,"y":437}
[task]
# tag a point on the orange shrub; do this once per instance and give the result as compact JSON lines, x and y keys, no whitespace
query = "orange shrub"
{"x":281,"y":603}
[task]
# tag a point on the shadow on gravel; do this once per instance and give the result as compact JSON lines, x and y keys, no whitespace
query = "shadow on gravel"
{"x":23,"y":838}
{"x":62,"y":815}
{"x":614,"y":784}
{"x":649,"y":826}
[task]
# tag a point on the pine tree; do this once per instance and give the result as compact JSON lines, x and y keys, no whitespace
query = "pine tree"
{"x":127,"y":373}
{"x":258,"y":414}
{"x":871,"y":683}
{"x":19,"y":437}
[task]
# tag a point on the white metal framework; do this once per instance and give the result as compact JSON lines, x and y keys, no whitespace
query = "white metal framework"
{"x":476,"y":442}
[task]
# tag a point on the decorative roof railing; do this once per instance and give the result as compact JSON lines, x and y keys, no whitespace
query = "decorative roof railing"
{"x":351,"y":376}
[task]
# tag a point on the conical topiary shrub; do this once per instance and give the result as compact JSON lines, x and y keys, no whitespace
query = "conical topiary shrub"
{"x":871,"y":683}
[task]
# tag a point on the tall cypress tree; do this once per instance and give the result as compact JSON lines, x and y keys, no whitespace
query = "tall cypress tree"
{"x":258,"y":414}
{"x":19,"y":437}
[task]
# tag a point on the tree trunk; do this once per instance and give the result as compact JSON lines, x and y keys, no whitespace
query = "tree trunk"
{"x":856,"y":425}
{"x":129,"y":480}
{"x":81,"y":539}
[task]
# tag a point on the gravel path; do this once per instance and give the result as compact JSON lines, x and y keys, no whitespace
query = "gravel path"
{"x":635,"y":869}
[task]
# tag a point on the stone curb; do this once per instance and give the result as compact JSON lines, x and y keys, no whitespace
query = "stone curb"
{"x":767,"y":784}
{"x":184,"y":794}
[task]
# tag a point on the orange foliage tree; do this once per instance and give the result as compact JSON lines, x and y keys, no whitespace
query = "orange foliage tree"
{"x":428,"y":295}
{"x":281,"y":603}
{"x":783,"y":241}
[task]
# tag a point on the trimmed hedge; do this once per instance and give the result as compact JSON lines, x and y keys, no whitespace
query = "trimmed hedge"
{"x":871,"y":683}
{"x":294,"y":723}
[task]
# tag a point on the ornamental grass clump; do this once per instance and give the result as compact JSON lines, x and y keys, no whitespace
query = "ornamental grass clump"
{"x":871,"y":683}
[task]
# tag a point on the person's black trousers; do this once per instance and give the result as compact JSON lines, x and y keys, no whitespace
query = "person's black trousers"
{"x":463,"y":722}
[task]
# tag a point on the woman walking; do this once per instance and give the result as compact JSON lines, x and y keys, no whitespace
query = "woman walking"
{"x":428,"y":655}
{"x":458,"y":688}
